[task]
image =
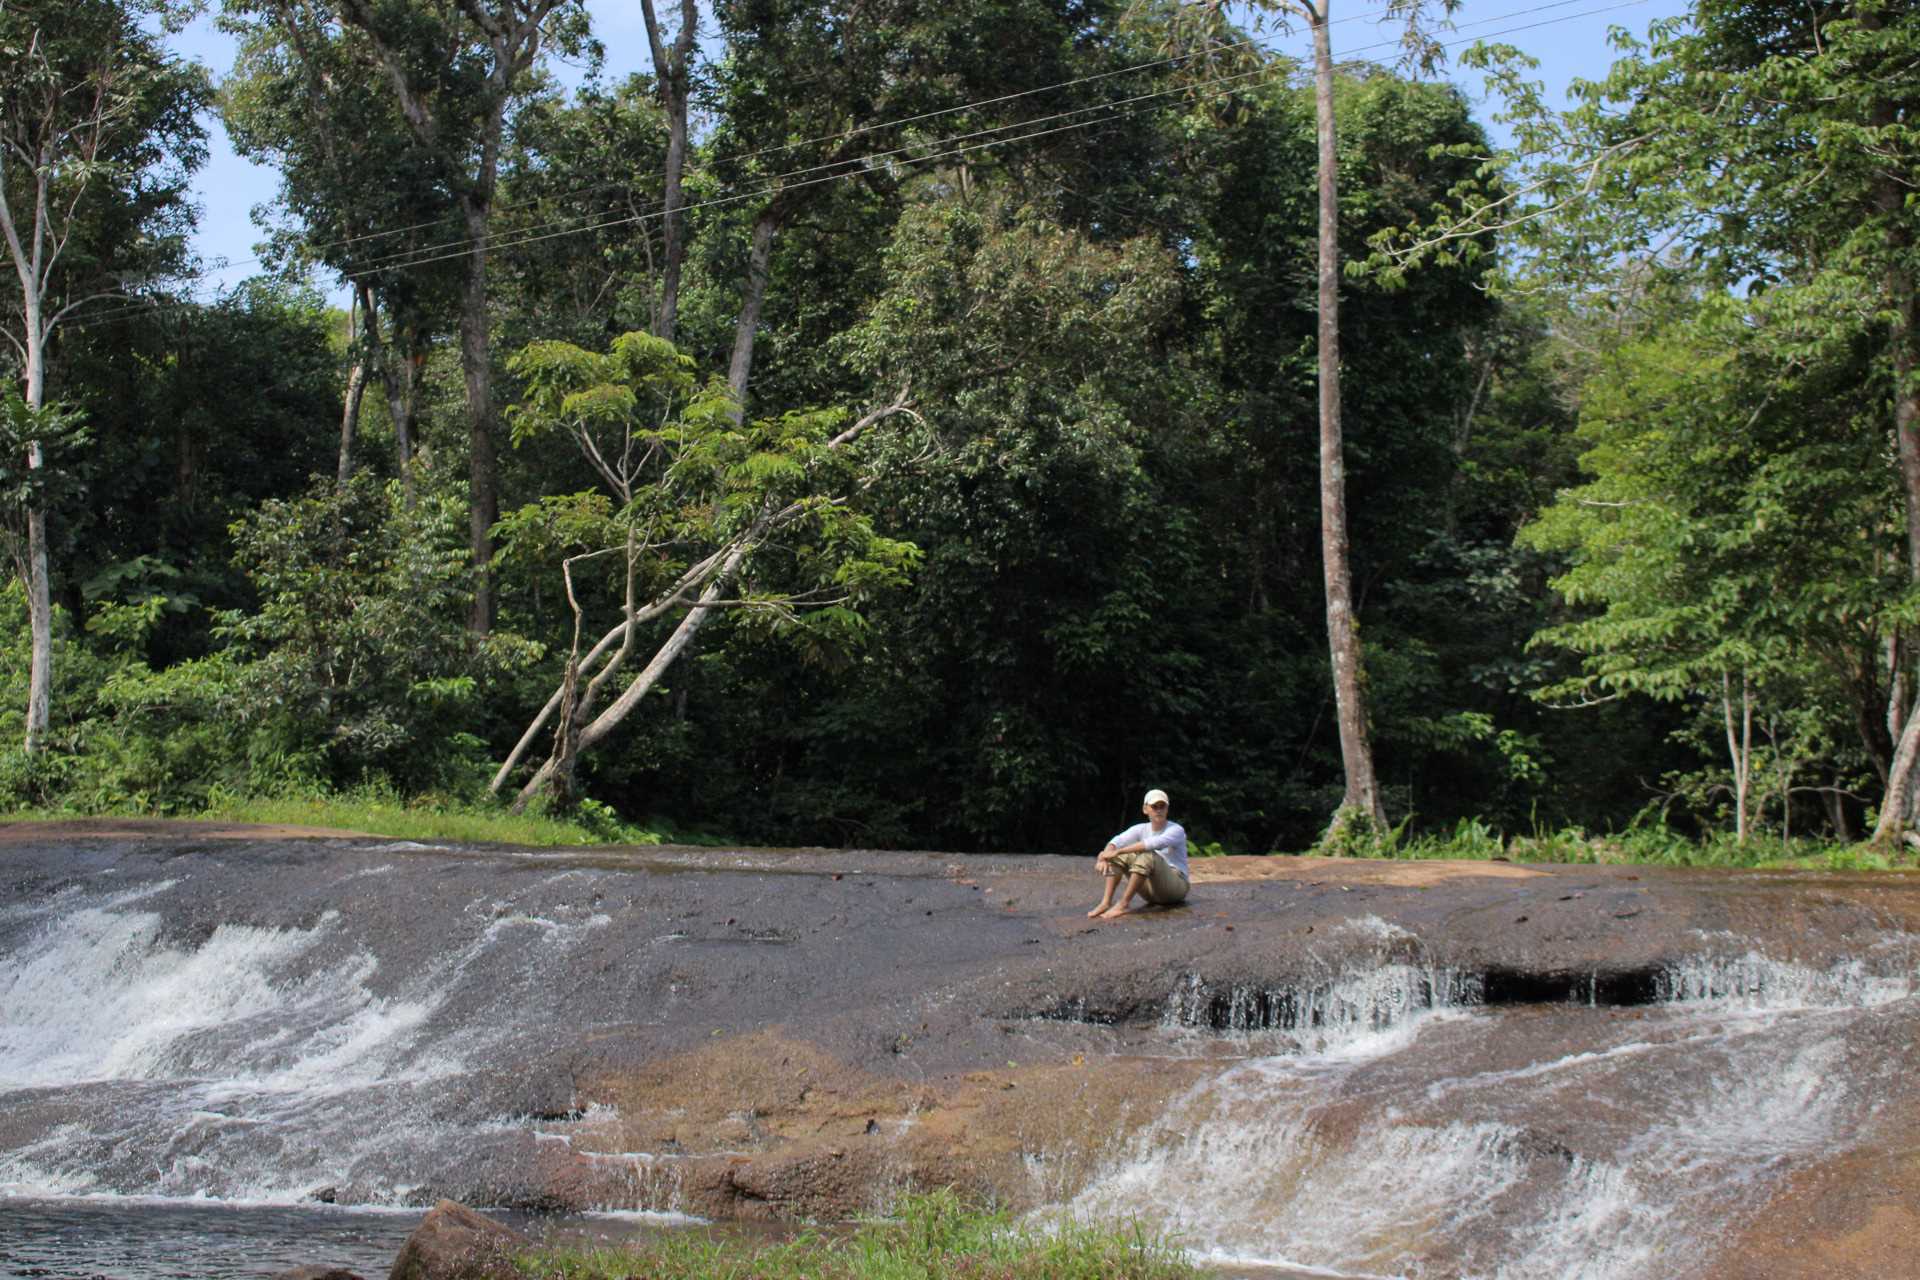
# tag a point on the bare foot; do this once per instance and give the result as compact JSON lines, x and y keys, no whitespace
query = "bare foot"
{"x":1114,"y":913}
{"x":1097,"y":912}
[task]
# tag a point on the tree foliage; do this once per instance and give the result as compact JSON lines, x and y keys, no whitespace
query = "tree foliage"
{"x":978,"y":485}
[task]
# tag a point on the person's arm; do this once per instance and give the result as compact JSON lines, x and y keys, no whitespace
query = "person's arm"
{"x":1132,"y":846}
{"x":1169,"y":836}
{"x":1115,"y":847}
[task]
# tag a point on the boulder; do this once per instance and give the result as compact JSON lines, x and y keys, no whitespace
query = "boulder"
{"x":454,"y":1243}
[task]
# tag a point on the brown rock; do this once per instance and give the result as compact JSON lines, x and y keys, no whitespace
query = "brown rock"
{"x":454,"y":1243}
{"x":1854,"y":1216}
{"x":768,"y":1126}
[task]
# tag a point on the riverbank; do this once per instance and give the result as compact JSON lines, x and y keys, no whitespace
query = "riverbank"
{"x":344,"y":817}
{"x":448,"y":820}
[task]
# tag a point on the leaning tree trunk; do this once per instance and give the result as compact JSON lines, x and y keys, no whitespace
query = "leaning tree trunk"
{"x":621,"y":635}
{"x":1343,"y":635}
{"x":643,"y":684}
{"x":727,"y":563}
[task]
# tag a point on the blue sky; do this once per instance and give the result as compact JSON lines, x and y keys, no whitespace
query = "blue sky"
{"x":1569,"y":38}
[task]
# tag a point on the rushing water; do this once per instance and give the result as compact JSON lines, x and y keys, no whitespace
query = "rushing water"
{"x":122,"y":1238}
{"x":175,"y":1098}
{"x":130,"y":1240}
{"x":263,"y":1065}
{"x":1397,"y":1127}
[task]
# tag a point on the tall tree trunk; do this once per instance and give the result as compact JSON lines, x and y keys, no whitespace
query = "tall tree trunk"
{"x":512,"y":33}
{"x":1739,"y":747}
{"x":1899,"y":702}
{"x":1343,"y":633}
{"x":476,"y":364}
{"x":672,"y":70}
{"x":39,"y":621}
{"x":39,"y":580}
{"x":1903,"y":338}
{"x":1898,"y":803}
{"x":1890,"y":197}
{"x":356,"y":391}
{"x":396,"y":365}
{"x":759,"y":259}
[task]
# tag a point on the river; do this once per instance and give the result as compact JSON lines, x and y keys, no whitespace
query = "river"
{"x":228,"y":1060}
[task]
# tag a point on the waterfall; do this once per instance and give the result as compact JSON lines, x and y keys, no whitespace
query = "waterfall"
{"x":255,"y":1063}
{"x":1415,"y":1132}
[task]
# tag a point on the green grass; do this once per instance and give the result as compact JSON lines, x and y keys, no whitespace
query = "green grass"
{"x":934,"y":1237}
{"x":378,"y":812}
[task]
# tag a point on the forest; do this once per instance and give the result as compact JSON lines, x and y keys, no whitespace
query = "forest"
{"x":898,"y":424}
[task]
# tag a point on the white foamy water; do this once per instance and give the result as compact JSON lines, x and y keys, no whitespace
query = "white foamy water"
{"x":100,"y":995}
{"x":1525,"y":1144}
{"x":1357,"y":1012}
{"x":1754,"y":981}
{"x":249,"y":1063}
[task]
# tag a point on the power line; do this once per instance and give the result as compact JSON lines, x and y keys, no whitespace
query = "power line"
{"x":857,"y":167}
{"x":776,"y":182}
{"x":583,"y":223}
{"x":1249,"y":42}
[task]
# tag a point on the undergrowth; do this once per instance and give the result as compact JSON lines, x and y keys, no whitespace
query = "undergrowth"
{"x":933,"y":1237}
{"x":1651,"y":844}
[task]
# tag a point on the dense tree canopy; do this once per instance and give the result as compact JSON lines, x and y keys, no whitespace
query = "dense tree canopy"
{"x":961,"y":476}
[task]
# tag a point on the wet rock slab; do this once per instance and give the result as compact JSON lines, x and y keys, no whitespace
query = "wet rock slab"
{"x":801,"y":1034}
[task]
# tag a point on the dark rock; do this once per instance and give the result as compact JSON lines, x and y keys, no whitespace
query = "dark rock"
{"x":454,"y":1243}
{"x":318,"y":1273}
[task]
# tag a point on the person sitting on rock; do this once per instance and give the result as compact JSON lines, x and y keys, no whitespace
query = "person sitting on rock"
{"x":1150,"y":856}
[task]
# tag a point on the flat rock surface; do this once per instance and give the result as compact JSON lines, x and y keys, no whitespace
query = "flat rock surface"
{"x":800,"y":1033}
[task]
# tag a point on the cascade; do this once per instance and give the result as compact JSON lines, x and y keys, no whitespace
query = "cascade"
{"x":1424,"y":1133}
{"x":255,"y":1064}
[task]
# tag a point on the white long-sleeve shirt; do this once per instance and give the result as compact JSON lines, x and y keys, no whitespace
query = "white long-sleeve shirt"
{"x":1170,"y":842}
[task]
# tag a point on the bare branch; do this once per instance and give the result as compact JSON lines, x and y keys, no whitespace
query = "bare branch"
{"x":900,"y":405}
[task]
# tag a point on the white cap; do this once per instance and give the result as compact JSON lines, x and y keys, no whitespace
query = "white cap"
{"x":1157,"y":796}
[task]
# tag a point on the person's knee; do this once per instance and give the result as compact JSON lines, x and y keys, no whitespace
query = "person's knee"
{"x":1167,"y":888}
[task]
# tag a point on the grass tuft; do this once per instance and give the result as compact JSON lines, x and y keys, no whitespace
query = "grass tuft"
{"x":933,"y":1237}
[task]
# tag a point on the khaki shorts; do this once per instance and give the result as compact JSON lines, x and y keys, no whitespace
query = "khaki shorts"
{"x":1164,"y":885}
